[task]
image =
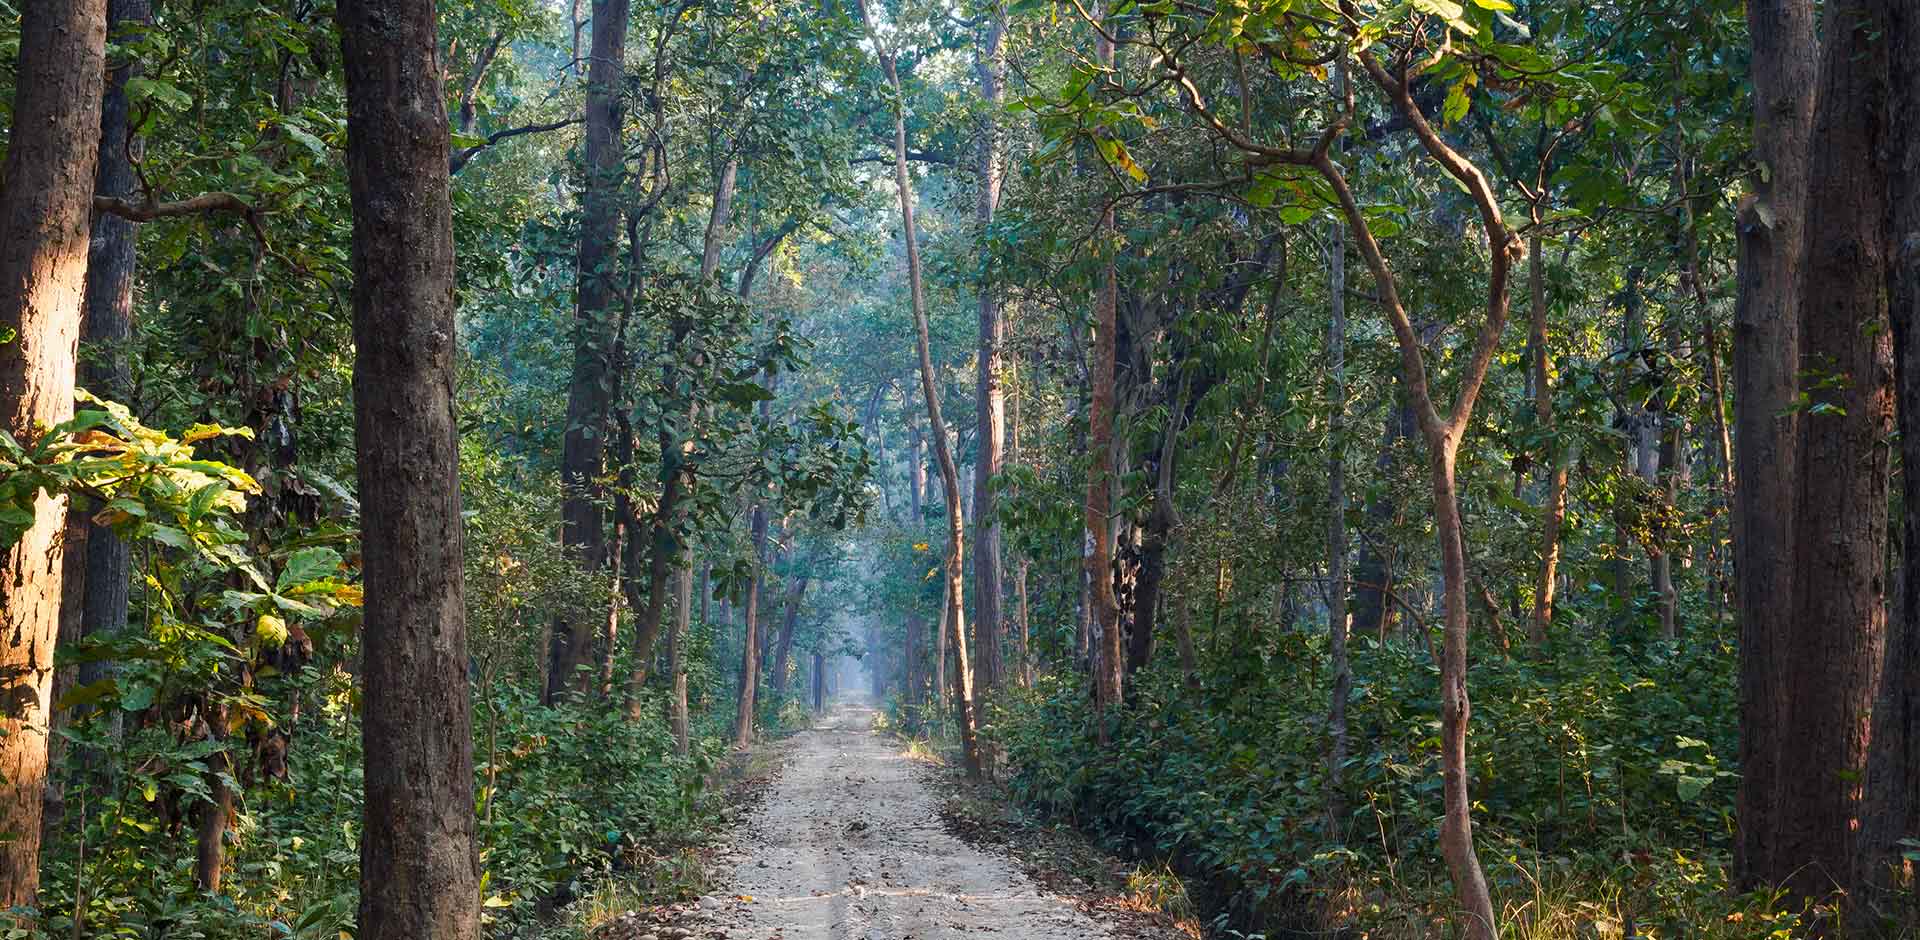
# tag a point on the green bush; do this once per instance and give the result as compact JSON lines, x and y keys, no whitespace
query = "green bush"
{"x":1595,"y":770}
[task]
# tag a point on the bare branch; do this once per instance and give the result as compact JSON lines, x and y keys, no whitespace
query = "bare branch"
{"x":460,"y":157}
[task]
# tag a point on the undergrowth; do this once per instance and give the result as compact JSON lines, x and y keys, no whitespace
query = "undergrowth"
{"x":1602,"y":779}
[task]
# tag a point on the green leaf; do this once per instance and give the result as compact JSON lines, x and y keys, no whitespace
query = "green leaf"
{"x":1690,"y":788}
{"x":168,"y":535}
{"x":137,"y":698}
{"x":87,"y":694}
{"x":1457,"y":104}
{"x":147,"y":89}
{"x":306,"y":140}
{"x":308,"y":564}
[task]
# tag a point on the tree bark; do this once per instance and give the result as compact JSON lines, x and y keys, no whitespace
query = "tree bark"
{"x":1104,"y":610}
{"x":1766,"y":355}
{"x":1833,"y":643}
{"x":750,"y":649}
{"x":1023,"y":636}
{"x":1338,"y":663}
{"x":589,"y":393}
{"x":989,"y":620}
{"x":107,"y":329}
{"x":1443,"y":436}
{"x":936,"y":425}
{"x":1892,"y":808}
{"x":1373,"y":572}
{"x":419,"y":873}
{"x":1553,"y":509}
{"x":45,"y":214}
{"x":676,"y":656}
{"x":783,"y":655}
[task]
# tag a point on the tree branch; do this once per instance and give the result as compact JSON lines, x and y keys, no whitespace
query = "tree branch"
{"x":149,"y":210}
{"x":460,"y":157}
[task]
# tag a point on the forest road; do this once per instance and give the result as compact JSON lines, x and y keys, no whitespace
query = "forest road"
{"x":848,"y":845}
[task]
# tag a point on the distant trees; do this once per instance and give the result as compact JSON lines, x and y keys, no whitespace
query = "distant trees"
{"x":955,"y":616}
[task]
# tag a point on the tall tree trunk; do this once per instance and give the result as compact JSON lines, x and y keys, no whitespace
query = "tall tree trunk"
{"x":1443,"y":436}
{"x":936,"y":425}
{"x":419,"y":872}
{"x":916,"y":472}
{"x":107,"y":330}
{"x":1337,"y":522}
{"x":1373,"y":572}
{"x":664,"y":554}
{"x":1892,"y":808}
{"x":589,"y":393}
{"x":1023,"y":621}
{"x":989,"y":621}
{"x":750,"y":649}
{"x":676,"y":655}
{"x":910,"y":669}
{"x":1766,"y":355}
{"x":1553,"y":509}
{"x":1834,"y":638}
{"x":45,"y":214}
{"x":783,"y":655}
{"x":1104,"y":609}
{"x":940,"y":655}
{"x":1159,"y":526}
{"x":1183,"y":637}
{"x":1637,"y":421}
{"x":819,"y":673}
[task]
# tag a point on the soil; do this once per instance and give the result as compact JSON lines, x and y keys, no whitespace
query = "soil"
{"x":856,"y":840}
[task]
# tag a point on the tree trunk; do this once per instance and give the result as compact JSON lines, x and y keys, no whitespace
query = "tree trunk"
{"x":819,"y":683}
{"x":1553,"y":509}
{"x":419,"y":873}
{"x":1373,"y":573}
{"x":1443,"y":436}
{"x":45,"y":211}
{"x":916,"y":473}
{"x":676,"y":654}
{"x":1337,"y":523}
{"x":210,"y":828}
{"x":783,"y":656}
{"x":1104,"y":610}
{"x":1892,"y":808}
{"x":940,"y":635}
{"x":936,"y":425}
{"x":589,"y":393}
{"x":1160,"y":522}
{"x":910,"y":669}
{"x":750,"y":650}
{"x":1023,"y":641}
{"x":1834,"y":637}
{"x":107,"y":330}
{"x":1183,"y":635}
{"x":1766,"y":355}
{"x":989,"y":621}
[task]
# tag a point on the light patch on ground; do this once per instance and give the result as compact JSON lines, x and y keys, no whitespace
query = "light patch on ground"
{"x":849,"y":845}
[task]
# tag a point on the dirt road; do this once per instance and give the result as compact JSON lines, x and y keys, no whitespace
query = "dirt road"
{"x":848,"y":845}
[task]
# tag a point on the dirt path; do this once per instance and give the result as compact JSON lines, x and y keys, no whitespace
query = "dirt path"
{"x":848,"y":845}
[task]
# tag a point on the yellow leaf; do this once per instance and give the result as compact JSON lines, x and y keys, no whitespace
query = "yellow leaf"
{"x":271,"y":630}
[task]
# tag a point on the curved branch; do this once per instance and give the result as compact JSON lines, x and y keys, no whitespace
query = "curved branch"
{"x":460,"y":157}
{"x":149,"y":210}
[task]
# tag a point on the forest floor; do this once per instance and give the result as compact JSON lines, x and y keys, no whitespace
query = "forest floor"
{"x":857,"y":839}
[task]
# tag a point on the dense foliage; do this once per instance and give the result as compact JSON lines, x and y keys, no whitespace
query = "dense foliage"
{"x":1310,"y":442}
